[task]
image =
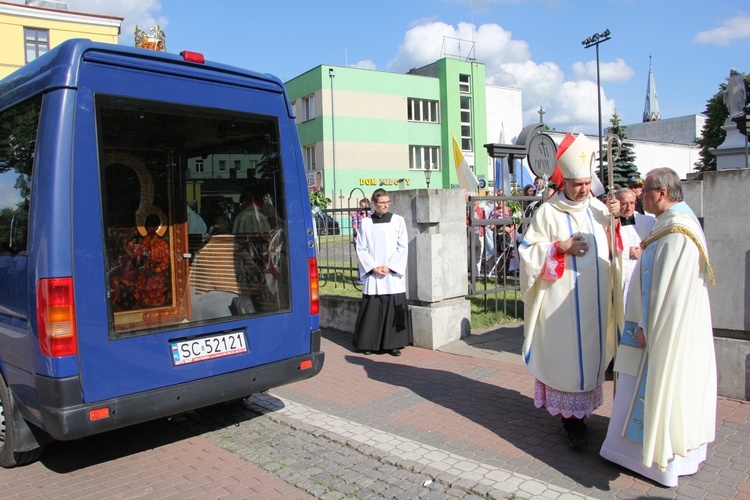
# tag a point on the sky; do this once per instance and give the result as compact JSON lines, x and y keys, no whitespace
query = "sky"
{"x":535,"y":45}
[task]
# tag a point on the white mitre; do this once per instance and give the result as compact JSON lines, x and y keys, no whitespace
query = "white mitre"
{"x":576,"y":162}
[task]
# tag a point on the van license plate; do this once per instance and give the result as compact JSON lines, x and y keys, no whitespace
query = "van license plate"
{"x":201,"y":349}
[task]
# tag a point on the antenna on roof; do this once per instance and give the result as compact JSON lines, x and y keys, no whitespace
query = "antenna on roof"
{"x":456,"y":48}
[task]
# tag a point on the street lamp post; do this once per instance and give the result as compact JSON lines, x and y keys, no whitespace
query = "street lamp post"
{"x":594,"y":41}
{"x":332,"y":75}
{"x":427,"y":174}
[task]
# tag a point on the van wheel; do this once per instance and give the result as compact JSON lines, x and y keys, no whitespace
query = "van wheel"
{"x":8,"y":456}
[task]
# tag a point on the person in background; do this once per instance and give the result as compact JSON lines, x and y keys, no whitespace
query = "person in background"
{"x":633,"y":229}
{"x":364,"y":211}
{"x":221,"y":225}
{"x":569,"y":326}
{"x":250,"y":219}
{"x":196,"y":225}
{"x":504,"y":236}
{"x":382,"y":249}
{"x":664,"y":412}
{"x":538,"y":185}
{"x":475,"y":235}
{"x":635,"y":183}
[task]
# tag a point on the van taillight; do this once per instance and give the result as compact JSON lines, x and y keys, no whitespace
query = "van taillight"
{"x":55,"y":314}
{"x":312,"y":267}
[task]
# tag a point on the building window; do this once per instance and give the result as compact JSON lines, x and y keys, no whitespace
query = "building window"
{"x":466,"y":136}
{"x":36,"y":42}
{"x":464,"y":84}
{"x":238,"y":165}
{"x":199,"y":166}
{"x":222,"y":166}
{"x":310,"y":158}
{"x":424,"y":157}
{"x":423,"y":110}
{"x":309,"y":103}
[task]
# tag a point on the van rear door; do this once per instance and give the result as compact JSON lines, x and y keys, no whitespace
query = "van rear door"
{"x":189,"y":224}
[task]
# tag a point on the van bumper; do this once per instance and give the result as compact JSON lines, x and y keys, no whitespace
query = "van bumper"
{"x":65,"y":416}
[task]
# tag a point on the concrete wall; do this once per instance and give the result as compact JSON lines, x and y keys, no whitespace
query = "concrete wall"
{"x":436,"y":271}
{"x":719,"y":199}
{"x":679,"y":130}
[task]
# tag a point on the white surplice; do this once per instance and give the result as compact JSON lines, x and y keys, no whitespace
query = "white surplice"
{"x":383,"y":244}
{"x":632,"y":236}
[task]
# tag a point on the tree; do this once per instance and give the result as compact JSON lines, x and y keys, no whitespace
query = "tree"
{"x":712,"y":135}
{"x":624,"y":165}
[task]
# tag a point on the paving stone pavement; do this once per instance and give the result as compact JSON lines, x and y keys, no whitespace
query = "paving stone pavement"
{"x":454,"y":424}
{"x":469,"y":420}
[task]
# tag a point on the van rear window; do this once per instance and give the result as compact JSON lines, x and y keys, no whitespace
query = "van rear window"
{"x":193,"y":214}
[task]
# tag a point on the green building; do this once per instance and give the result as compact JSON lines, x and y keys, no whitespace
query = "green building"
{"x":362,"y":129}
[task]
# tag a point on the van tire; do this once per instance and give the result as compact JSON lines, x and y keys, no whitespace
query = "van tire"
{"x":9,"y":457}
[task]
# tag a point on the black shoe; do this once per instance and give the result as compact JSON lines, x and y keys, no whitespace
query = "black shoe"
{"x":394,"y":352}
{"x":576,"y":430}
{"x":609,"y":374}
{"x":366,"y":353}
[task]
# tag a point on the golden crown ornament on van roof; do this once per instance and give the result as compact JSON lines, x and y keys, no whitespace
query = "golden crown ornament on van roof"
{"x":154,"y":39}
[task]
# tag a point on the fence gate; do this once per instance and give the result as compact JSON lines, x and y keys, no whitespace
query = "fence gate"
{"x":495,"y":226}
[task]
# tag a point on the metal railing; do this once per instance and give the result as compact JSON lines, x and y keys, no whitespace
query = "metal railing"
{"x":337,"y":257}
{"x":493,"y":263}
{"x":492,"y":250}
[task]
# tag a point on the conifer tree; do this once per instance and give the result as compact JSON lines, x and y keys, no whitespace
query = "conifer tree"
{"x":624,"y":166}
{"x":713,"y":135}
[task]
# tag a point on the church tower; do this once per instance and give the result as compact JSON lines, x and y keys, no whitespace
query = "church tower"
{"x":651,"y":110}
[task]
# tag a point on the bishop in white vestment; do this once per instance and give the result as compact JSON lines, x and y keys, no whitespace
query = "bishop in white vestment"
{"x":664,"y":412}
{"x":565,"y":286}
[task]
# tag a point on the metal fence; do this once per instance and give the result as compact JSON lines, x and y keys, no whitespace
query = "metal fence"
{"x":492,"y":250}
{"x":337,"y":257}
{"x":495,"y":225}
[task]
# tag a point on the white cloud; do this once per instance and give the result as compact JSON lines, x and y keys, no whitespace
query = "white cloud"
{"x":428,"y":41}
{"x":365,"y":64}
{"x":422,"y":45}
{"x":143,"y":13}
{"x":508,"y":62}
{"x":613,"y":72}
{"x":735,"y":28}
{"x":575,"y":104}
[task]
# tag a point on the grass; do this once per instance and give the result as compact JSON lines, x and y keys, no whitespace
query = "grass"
{"x":495,"y":308}
{"x":486,"y":310}
{"x":339,"y":282}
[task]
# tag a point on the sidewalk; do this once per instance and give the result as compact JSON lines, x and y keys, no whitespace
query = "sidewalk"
{"x":459,"y":423}
{"x":465,"y":416}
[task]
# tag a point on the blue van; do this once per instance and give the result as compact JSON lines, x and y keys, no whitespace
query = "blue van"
{"x":156,"y":242}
